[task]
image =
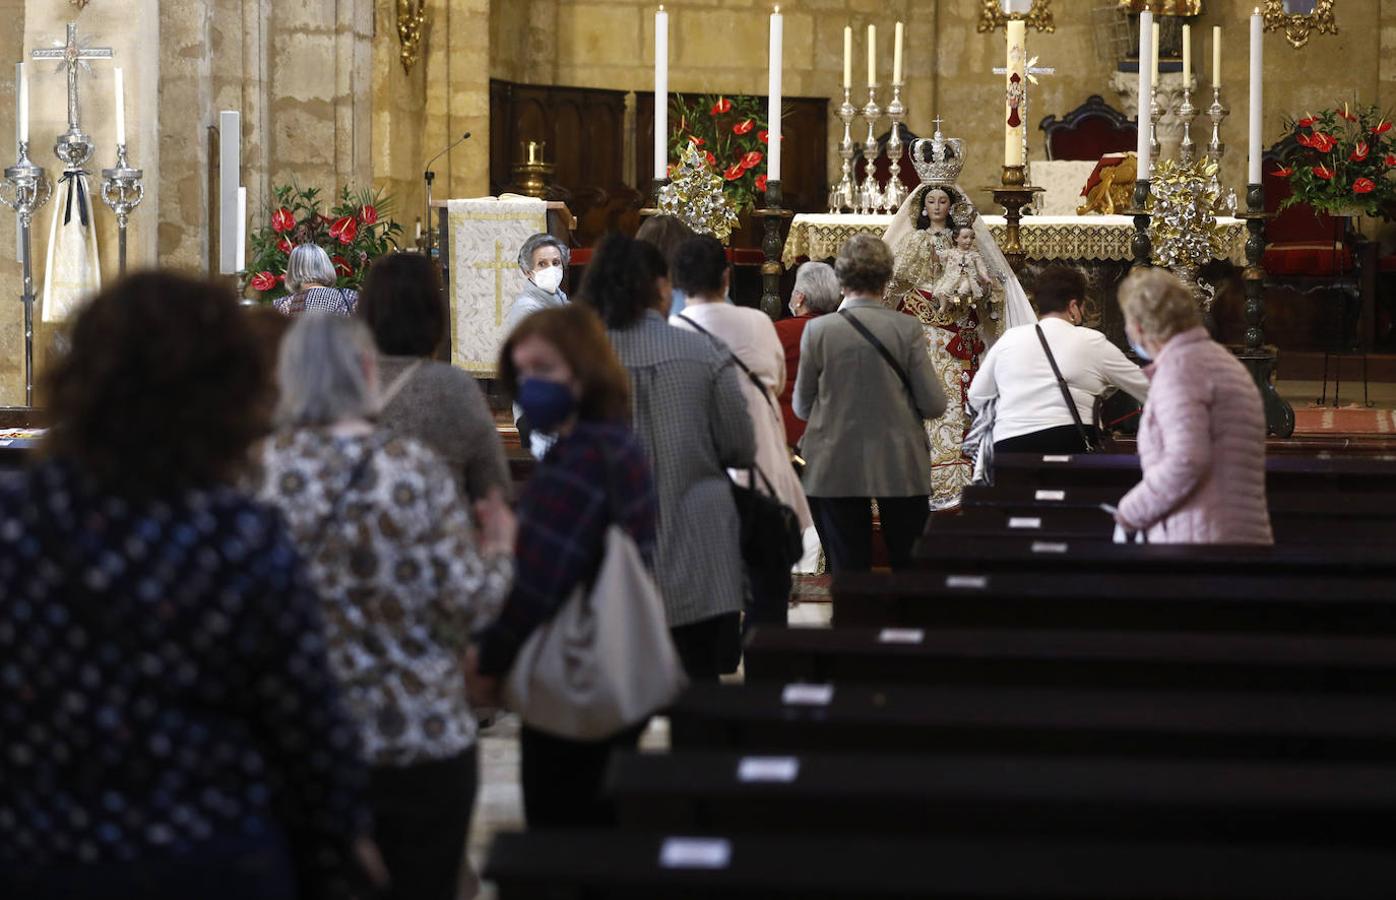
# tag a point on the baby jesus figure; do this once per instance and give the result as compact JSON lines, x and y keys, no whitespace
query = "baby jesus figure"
{"x":965,"y":278}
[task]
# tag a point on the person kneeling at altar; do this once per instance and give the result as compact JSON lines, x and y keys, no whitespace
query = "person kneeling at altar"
{"x":543,"y":260}
{"x":1033,"y":369}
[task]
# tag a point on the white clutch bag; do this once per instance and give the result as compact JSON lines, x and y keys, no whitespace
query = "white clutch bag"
{"x":605,"y":661}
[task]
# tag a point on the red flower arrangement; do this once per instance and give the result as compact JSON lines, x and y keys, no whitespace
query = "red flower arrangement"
{"x":732,"y":131}
{"x":744,"y":127}
{"x":356,"y":230}
{"x":1339,"y":163}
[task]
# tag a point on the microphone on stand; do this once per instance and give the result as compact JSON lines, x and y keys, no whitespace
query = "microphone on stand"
{"x":429,"y":176}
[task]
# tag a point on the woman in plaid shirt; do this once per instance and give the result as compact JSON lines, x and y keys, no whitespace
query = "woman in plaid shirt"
{"x":558,"y":365}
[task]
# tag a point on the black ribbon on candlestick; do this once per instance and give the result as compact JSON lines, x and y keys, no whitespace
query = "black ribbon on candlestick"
{"x":76,"y":180}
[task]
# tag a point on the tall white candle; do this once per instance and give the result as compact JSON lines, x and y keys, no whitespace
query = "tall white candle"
{"x":1155,"y":33}
{"x":897,"y":56}
{"x":1257,"y":98}
{"x":773,"y":98}
{"x":848,"y":56}
{"x":1216,"y":56}
{"x":119,"y":89}
{"x":22,"y":101}
{"x":242,"y":229}
{"x":661,"y":94}
{"x":1187,"y":55}
{"x":1146,"y":88}
{"x":1017,"y":37}
{"x":872,"y":55}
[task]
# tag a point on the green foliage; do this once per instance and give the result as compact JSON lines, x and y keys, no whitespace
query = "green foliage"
{"x":731,"y":132}
{"x":1341,"y":161}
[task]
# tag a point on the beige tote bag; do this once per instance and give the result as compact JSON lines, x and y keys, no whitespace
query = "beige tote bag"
{"x":605,"y":661}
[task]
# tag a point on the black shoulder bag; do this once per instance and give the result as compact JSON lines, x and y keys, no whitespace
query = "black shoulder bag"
{"x":1066,"y":394}
{"x":887,"y":356}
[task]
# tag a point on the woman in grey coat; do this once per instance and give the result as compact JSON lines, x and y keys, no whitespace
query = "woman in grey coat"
{"x":865,"y":386}
{"x":690,"y":416}
{"x":543,"y":260}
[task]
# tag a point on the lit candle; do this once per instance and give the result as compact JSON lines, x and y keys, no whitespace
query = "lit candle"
{"x":1187,"y":55}
{"x":1257,"y":97}
{"x":773,"y":99}
{"x":897,"y":56}
{"x":1146,"y":86}
{"x":1216,"y":56}
{"x":848,"y":56}
{"x":1155,"y":54}
{"x":872,"y":56}
{"x":661,"y":94}
{"x":22,"y":99}
{"x":120,"y":101}
{"x":1017,"y":36}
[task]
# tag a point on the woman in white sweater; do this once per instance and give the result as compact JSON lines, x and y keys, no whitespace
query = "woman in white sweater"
{"x":1032,"y":415}
{"x":701,"y":272}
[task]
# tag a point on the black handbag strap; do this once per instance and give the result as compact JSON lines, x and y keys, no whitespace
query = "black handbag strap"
{"x":1066,"y":392}
{"x":755,"y":379}
{"x":337,"y":508}
{"x":886,"y":355}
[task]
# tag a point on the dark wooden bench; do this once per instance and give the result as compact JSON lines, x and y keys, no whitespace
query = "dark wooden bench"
{"x":1336,"y":525}
{"x":601,"y":865}
{"x":889,"y":793}
{"x":1283,"y":473}
{"x":1183,"y":661}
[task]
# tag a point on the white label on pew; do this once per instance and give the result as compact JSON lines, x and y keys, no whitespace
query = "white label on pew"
{"x":1028,"y":522}
{"x":807,"y":694}
{"x":6,"y":442}
{"x":1048,"y":547}
{"x":781,"y":769}
{"x":1056,"y":459}
{"x":901,"y":636}
{"x":695,"y":853}
{"x":1050,"y":496}
{"x":967,"y":582}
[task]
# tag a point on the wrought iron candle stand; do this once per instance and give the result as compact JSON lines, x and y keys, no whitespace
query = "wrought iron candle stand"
{"x":1013,"y":195}
{"x":871,"y":113}
{"x":27,"y":189}
{"x":896,"y":192}
{"x":1141,"y":245}
{"x":847,"y":188}
{"x":123,"y":189}
{"x":1186,"y":112}
{"x":772,"y":215}
{"x":1257,"y":357}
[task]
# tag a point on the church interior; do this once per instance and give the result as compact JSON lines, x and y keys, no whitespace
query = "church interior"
{"x":1038,"y":699}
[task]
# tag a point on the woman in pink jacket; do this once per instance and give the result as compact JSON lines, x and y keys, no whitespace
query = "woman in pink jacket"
{"x":1202,"y":435}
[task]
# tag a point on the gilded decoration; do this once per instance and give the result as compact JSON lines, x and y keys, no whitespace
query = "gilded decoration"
{"x":411,"y":22}
{"x":1163,"y":7}
{"x":1298,"y":26}
{"x":80,"y":4}
{"x":1039,"y":16}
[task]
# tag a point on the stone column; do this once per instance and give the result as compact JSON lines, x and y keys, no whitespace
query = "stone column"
{"x":458,"y":98}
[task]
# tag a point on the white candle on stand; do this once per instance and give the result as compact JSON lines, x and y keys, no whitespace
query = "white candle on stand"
{"x":242,"y":229}
{"x":1146,"y":86}
{"x":1017,"y":36}
{"x":119,"y":89}
{"x":897,"y":56}
{"x":872,"y":56}
{"x":1187,"y":55}
{"x":1216,"y":56}
{"x":1155,"y":32}
{"x":773,"y":99}
{"x":1257,"y":98}
{"x":661,"y":95}
{"x":22,"y":101}
{"x":848,"y":56}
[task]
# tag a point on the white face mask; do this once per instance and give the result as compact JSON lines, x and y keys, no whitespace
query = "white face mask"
{"x":549,"y":279}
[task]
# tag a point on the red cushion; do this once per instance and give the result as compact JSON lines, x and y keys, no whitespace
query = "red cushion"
{"x":746,"y":256}
{"x":1386,"y":264}
{"x":579,"y":256}
{"x":1315,"y":258}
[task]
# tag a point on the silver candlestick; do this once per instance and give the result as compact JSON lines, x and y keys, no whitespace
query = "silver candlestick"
{"x":896,"y":191}
{"x":123,"y":190}
{"x":1186,"y":112}
{"x":847,"y":189}
{"x":1217,"y":114}
{"x":28,"y":188}
{"x":871,"y":113}
{"x":1155,"y":115}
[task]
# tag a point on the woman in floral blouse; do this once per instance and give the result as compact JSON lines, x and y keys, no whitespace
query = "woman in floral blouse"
{"x":402,"y":579}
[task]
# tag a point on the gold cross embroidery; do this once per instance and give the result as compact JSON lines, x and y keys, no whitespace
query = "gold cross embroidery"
{"x":500,"y":266}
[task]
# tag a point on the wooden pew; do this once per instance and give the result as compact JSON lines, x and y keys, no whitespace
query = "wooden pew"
{"x":1283,"y":473}
{"x":776,"y":718}
{"x":1152,"y":600}
{"x":1183,"y":661}
{"x":1336,"y":525}
{"x":888,"y":793}
{"x":601,"y":865}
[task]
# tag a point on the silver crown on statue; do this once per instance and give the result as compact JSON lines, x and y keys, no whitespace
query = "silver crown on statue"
{"x":938,"y":159}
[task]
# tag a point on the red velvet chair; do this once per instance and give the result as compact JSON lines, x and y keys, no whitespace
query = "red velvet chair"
{"x":1089,"y":131}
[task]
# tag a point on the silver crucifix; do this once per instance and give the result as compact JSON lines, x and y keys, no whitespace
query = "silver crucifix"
{"x":73,"y":147}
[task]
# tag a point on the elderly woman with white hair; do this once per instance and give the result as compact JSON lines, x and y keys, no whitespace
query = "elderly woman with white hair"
{"x":543,"y":260}
{"x":403,"y":580}
{"x":311,"y":278}
{"x":816,"y":293}
{"x":1202,"y":433}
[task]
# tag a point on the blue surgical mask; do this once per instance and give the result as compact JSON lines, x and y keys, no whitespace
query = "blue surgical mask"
{"x":547,"y":404}
{"x":677,"y":301}
{"x":1140,"y":351}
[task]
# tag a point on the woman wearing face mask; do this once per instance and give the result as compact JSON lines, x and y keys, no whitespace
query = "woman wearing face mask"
{"x":1202,"y":433}
{"x":543,"y":261}
{"x":559,"y":367}
{"x":1032,"y":413}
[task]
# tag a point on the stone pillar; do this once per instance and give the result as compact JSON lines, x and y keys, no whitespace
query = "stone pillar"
{"x":458,"y":97}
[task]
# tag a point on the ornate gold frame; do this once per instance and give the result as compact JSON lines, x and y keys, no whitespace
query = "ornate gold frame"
{"x":411,"y":22}
{"x":1164,"y":7}
{"x":1297,"y":27}
{"x":80,"y":4}
{"x":1039,"y":17}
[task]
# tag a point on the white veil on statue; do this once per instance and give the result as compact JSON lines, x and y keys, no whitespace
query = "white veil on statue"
{"x":938,"y":162}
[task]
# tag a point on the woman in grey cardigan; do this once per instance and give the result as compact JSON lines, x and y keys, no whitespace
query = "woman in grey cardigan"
{"x":691,"y":418}
{"x":434,"y":402}
{"x":865,"y":385}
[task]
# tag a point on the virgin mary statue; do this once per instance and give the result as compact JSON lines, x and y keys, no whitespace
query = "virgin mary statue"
{"x":922,"y":235}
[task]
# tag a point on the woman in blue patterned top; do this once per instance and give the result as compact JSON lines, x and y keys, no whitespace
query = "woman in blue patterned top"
{"x":171,"y":724}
